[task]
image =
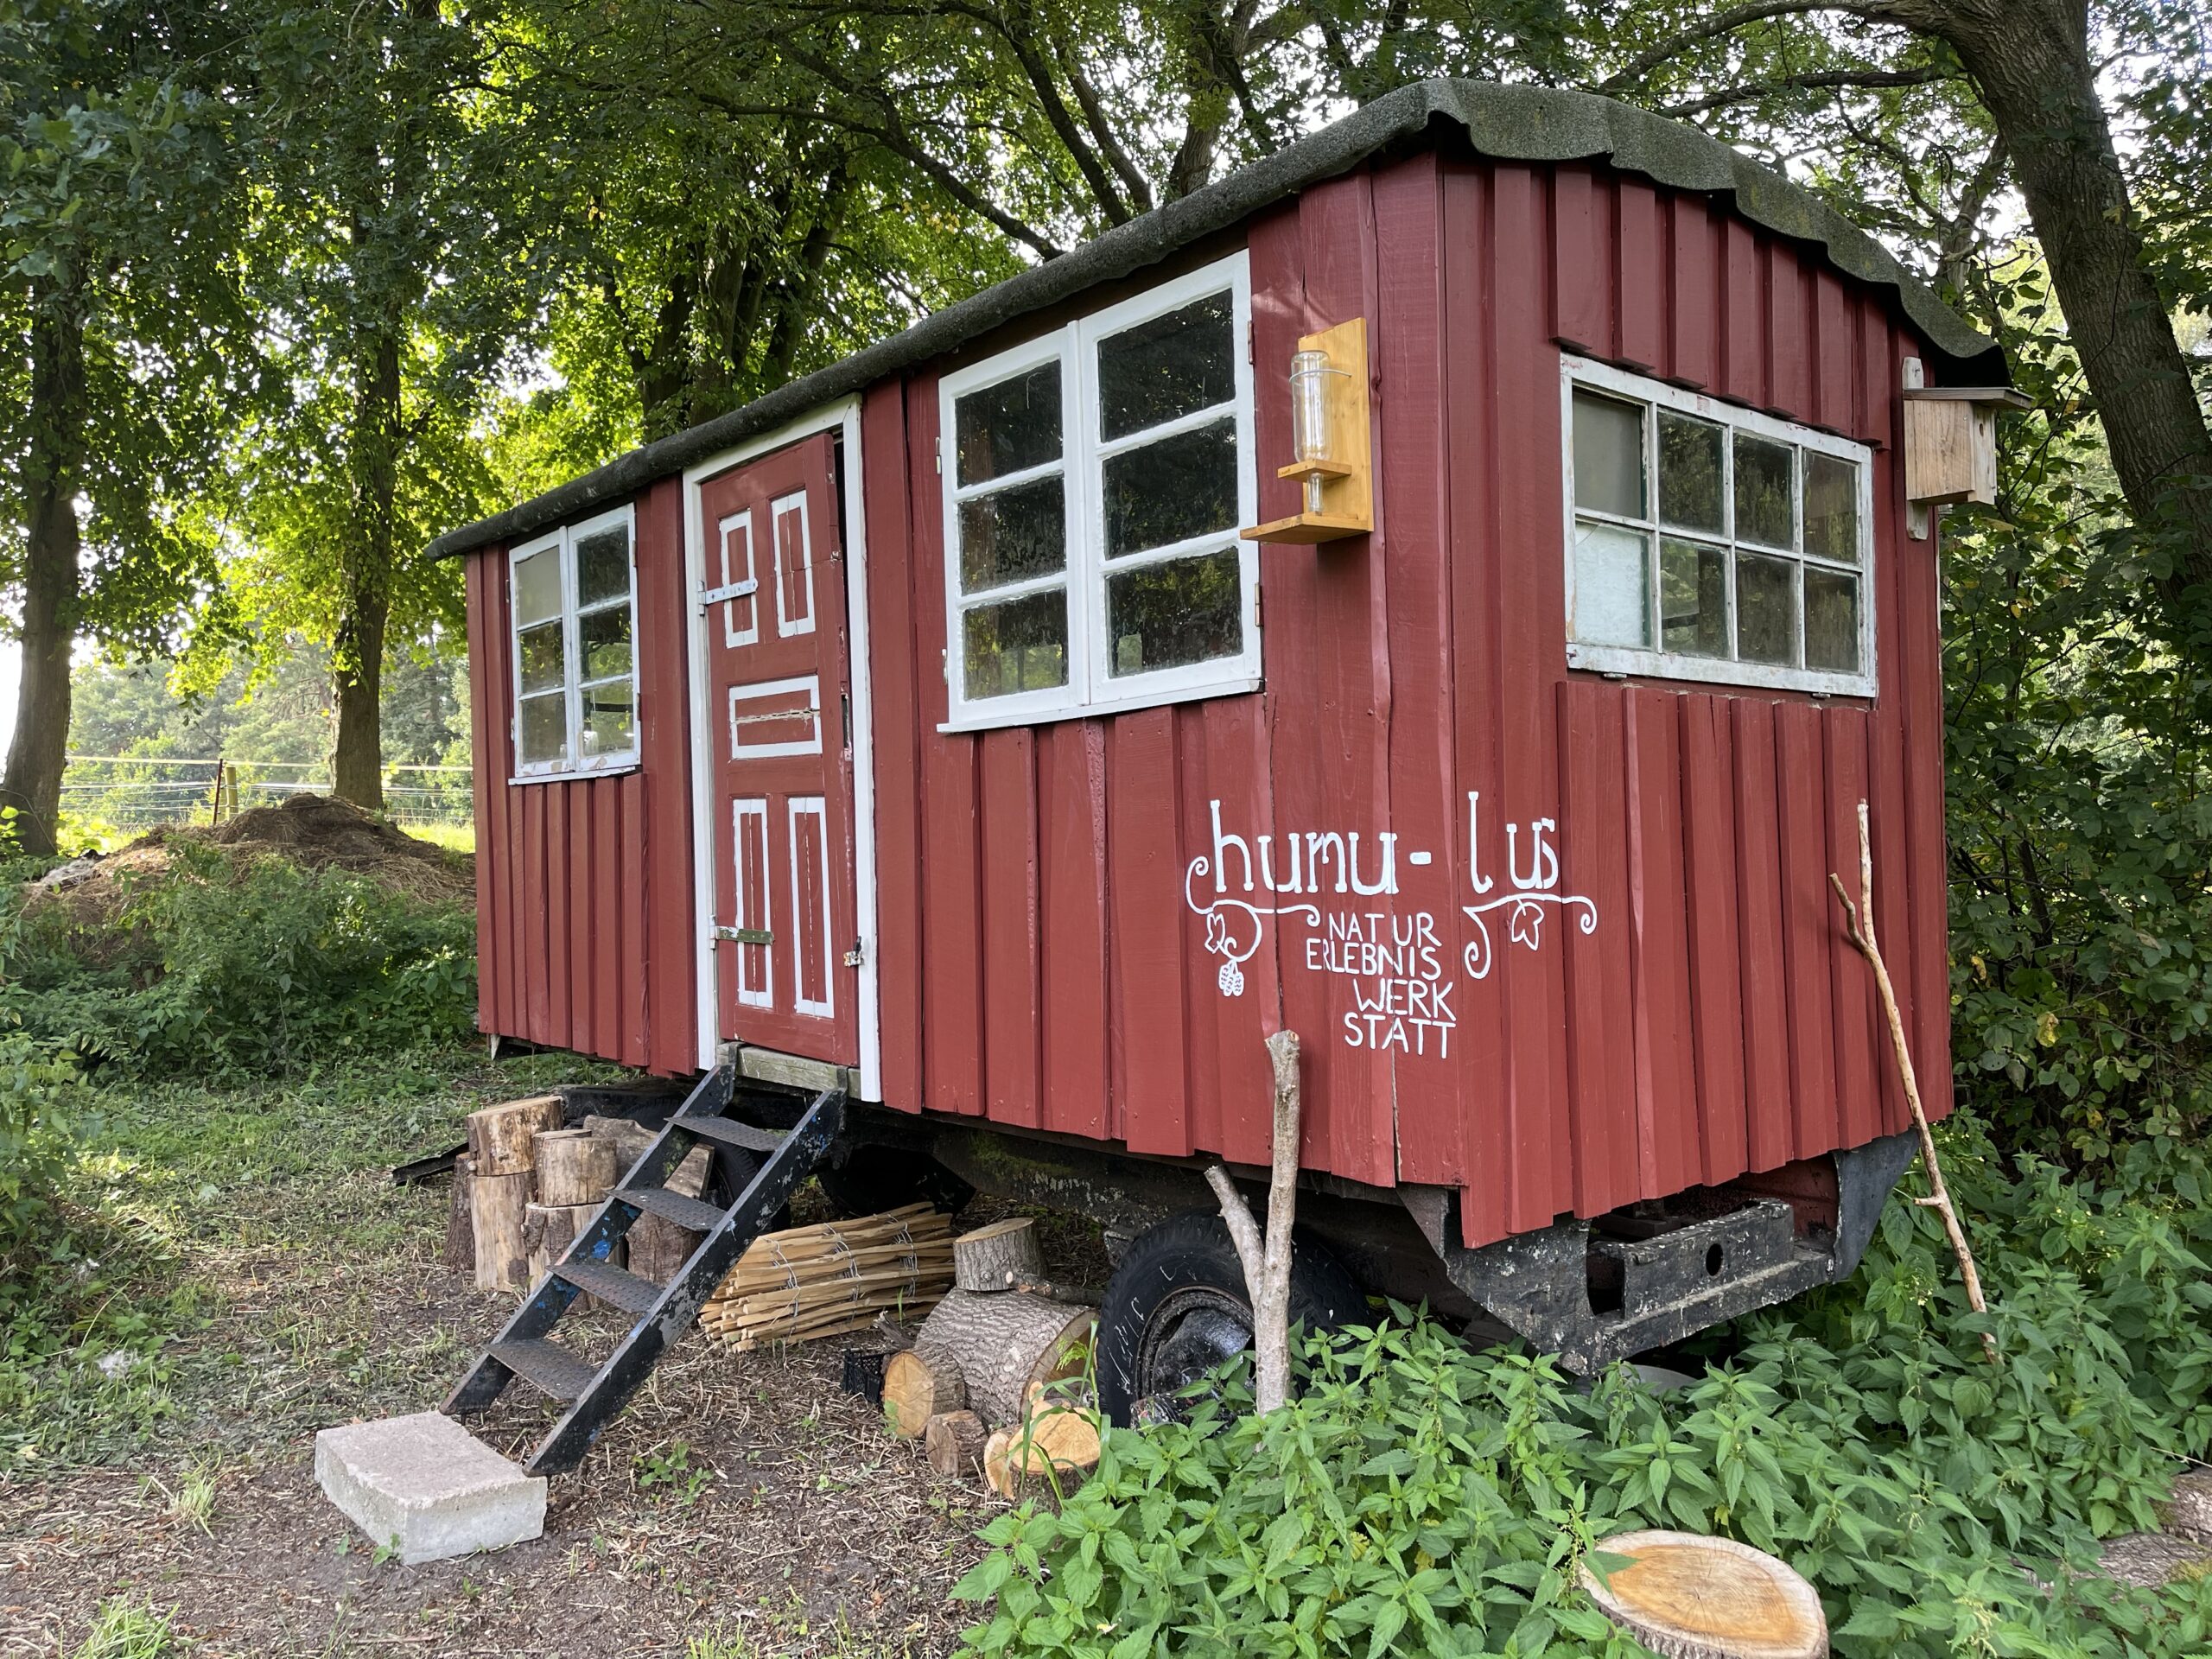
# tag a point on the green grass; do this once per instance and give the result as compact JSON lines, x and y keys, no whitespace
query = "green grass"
{"x":245,"y":1258}
{"x":453,"y":838}
{"x":126,"y":1629}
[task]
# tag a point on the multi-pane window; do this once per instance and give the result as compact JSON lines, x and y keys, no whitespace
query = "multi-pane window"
{"x":1710,"y":543}
{"x":572,"y":597}
{"x":1094,"y":481}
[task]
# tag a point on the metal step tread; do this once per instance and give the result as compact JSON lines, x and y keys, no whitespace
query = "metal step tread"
{"x":547,"y":1366}
{"x":728,"y":1132}
{"x":672,"y":1206}
{"x":627,"y":1290}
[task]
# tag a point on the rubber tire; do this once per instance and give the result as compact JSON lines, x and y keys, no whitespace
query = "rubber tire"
{"x":875,"y":1178}
{"x":1194,"y":1249}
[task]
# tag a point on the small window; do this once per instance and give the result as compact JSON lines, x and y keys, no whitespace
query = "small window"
{"x":1095,"y":480}
{"x":574,"y":601}
{"x":1709,"y":543}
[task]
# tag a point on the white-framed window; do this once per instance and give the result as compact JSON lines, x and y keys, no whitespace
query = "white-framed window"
{"x":1094,"y":482}
{"x":573,"y":601}
{"x":1706,"y":542}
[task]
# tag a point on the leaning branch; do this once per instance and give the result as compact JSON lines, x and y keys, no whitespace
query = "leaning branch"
{"x":1720,"y":24}
{"x":1267,"y":1265}
{"x":1818,"y":81}
{"x":1859,"y":929}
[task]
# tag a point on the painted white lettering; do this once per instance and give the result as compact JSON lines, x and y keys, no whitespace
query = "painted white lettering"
{"x":1543,"y":862}
{"x":1320,"y":845}
{"x":1481,"y":883}
{"x":1222,"y":844}
{"x":1387,"y":882}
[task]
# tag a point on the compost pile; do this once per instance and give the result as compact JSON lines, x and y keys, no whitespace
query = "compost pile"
{"x":317,"y":831}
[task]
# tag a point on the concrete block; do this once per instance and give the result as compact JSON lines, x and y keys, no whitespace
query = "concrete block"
{"x":428,"y":1485}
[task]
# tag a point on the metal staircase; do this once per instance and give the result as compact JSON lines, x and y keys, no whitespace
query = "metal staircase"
{"x":525,"y":1348}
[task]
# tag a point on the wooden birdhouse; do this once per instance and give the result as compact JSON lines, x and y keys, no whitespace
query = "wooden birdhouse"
{"x":1950,"y":442}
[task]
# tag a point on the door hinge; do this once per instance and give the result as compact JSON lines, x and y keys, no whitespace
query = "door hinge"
{"x":746,"y":935}
{"x":858,"y":955}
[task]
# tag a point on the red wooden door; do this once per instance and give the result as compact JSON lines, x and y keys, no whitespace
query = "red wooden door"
{"x":778,"y":701}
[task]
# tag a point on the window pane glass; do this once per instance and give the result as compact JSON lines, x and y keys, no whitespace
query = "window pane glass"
{"x":608,"y":718}
{"x":1611,"y":586}
{"x":1689,"y":472}
{"x":537,"y":586}
{"x":1608,"y":455}
{"x":542,"y":666}
{"x":1831,"y":621}
{"x":1012,"y":534}
{"x":545,"y":728}
{"x":1172,"y":490}
{"x":1766,"y":609}
{"x":1019,"y":646}
{"x":1172,"y":365}
{"x":1177,"y":611}
{"x":1693,"y":598}
{"x":1831,"y":510}
{"x":1005,"y":428}
{"x":603,"y":566}
{"x":604,"y":642}
{"x":1764,"y":505}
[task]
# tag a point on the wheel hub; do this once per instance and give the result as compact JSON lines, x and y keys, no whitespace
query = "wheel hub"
{"x":1193,"y":1331}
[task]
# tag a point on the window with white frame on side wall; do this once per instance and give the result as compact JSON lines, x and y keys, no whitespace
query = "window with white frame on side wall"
{"x":572,"y":599}
{"x":1094,"y":480}
{"x":1706,"y":542}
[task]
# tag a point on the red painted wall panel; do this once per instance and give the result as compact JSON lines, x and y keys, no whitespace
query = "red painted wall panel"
{"x":1041,"y":960}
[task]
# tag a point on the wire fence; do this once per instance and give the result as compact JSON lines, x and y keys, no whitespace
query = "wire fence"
{"x":132,"y":794}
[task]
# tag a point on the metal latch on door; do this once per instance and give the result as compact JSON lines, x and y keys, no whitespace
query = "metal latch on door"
{"x":746,"y":935}
{"x":727,"y":591}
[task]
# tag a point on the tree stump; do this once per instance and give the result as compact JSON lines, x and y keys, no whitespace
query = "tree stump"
{"x":461,"y":1222}
{"x":1687,"y":1596}
{"x":1065,"y":1431}
{"x":628,"y":1140}
{"x":501,"y":1139}
{"x":919,"y":1384}
{"x":573,"y":1166}
{"x":549,"y":1229}
{"x":954,"y":1441}
{"x":997,"y":1257}
{"x":659,"y":1248}
{"x":499,"y":1205}
{"x":1004,"y":1342}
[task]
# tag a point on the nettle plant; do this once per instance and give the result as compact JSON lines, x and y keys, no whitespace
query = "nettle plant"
{"x":1421,"y":1498}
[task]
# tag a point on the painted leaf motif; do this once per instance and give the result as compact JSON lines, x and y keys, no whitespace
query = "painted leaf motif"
{"x":1527,"y":923}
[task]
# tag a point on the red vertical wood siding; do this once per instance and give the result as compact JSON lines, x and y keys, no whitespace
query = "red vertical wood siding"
{"x":584,"y":897}
{"x":1041,"y":963}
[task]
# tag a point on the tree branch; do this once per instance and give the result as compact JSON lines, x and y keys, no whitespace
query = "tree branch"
{"x":1720,"y":22}
{"x":1814,"y":80}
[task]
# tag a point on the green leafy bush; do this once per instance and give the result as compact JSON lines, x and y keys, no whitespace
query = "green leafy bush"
{"x":223,"y":966}
{"x":39,"y":1099}
{"x":1420,"y":1497}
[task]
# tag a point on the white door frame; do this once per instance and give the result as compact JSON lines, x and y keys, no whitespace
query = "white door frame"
{"x":844,"y":417}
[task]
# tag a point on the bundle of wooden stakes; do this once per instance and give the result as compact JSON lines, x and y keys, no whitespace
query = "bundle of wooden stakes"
{"x":817,"y":1281}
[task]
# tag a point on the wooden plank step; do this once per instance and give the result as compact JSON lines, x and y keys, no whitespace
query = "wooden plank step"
{"x":627,"y":1290}
{"x":672,"y":1206}
{"x":547,"y":1366}
{"x":728,"y":1132}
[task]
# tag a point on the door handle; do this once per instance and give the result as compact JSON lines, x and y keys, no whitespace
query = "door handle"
{"x":746,"y":935}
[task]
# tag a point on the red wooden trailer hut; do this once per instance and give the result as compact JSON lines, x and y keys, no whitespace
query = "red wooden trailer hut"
{"x":934,"y":729}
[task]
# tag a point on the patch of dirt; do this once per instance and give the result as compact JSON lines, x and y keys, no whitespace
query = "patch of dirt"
{"x":318,"y":831}
{"x":738,"y":1499}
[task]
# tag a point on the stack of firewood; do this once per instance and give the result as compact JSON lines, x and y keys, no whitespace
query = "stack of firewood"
{"x":527,"y":1185}
{"x":994,"y":1380}
{"x":817,"y":1281}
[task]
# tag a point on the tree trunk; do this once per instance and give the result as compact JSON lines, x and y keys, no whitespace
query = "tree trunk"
{"x":2030,"y":61}
{"x":366,"y":575}
{"x":35,"y":752}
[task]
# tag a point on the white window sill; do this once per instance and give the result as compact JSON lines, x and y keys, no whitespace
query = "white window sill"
{"x":1758,"y":677}
{"x":578,"y":774}
{"x":984,"y":719}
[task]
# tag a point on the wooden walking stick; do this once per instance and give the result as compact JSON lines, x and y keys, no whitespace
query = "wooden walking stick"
{"x":1859,"y":929}
{"x":1266,"y":1267}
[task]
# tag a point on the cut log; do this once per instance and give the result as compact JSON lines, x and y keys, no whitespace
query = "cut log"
{"x":573,"y":1166}
{"x":628,"y":1140}
{"x":1004,"y":1342}
{"x":499,"y":1205}
{"x":1016,"y":1467}
{"x":954,"y":1441}
{"x":689,"y":1178}
{"x":549,"y":1229}
{"x":919,"y":1384}
{"x":461,"y":1222}
{"x":1063,"y":1428}
{"x":501,"y":1139}
{"x":659,"y":1248}
{"x":998,"y":1257}
{"x":1687,"y":1596}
